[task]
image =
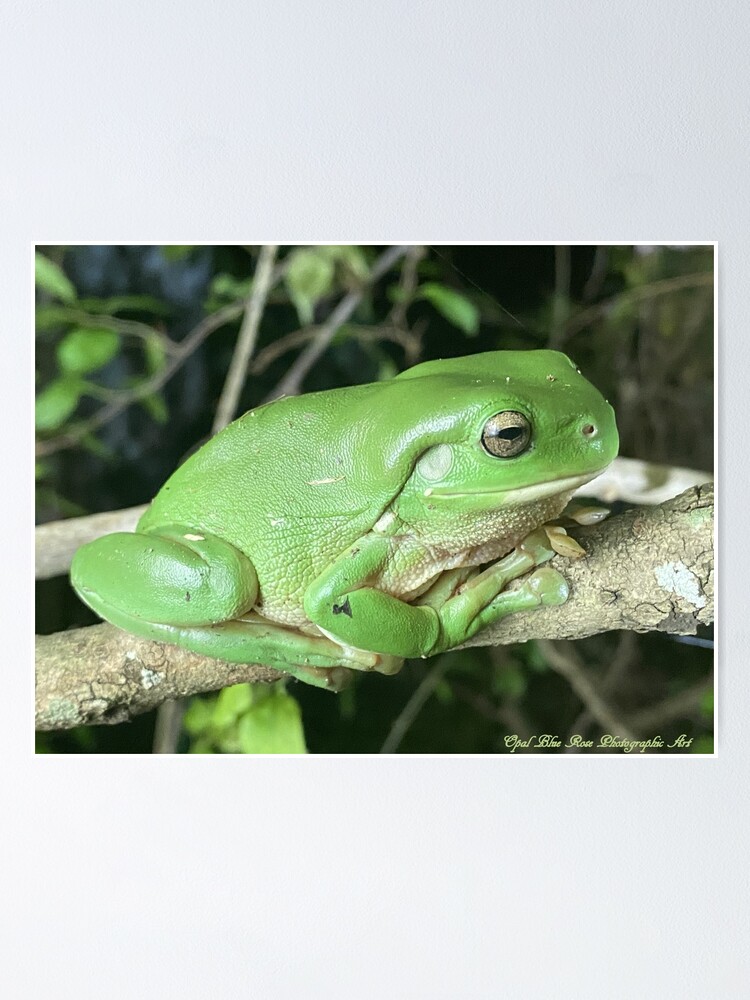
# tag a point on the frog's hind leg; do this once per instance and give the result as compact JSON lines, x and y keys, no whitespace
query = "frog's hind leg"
{"x":314,"y":659}
{"x":194,"y":590}
{"x":310,"y":657}
{"x":176,"y":577}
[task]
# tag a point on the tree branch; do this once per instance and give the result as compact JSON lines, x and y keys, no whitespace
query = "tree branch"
{"x":96,"y":675}
{"x":246,"y":338}
{"x":57,"y":541}
{"x":646,"y":570}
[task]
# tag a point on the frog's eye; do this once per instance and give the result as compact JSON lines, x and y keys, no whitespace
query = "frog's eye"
{"x":507,"y":434}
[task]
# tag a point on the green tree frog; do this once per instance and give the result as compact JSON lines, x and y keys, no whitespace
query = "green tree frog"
{"x":351,"y":528}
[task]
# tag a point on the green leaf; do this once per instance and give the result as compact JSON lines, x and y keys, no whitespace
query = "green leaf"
{"x":174,"y":253}
{"x":156,"y":407}
{"x":444,"y":692}
{"x":156,"y":354}
{"x":51,"y":278}
{"x":509,"y":682}
{"x":456,"y":308}
{"x":273,"y":725}
{"x":56,"y":403}
{"x":225,"y":286}
{"x":308,"y":278}
{"x":197,"y":718}
{"x":703,"y":744}
{"x":350,"y":258}
{"x":386,"y":369}
{"x":97,"y":447}
{"x":126,"y":303}
{"x":534,"y":657}
{"x":354,"y":259}
{"x":707,"y":704}
{"x":86,"y":349}
{"x":230,"y":704}
{"x":50,"y":317}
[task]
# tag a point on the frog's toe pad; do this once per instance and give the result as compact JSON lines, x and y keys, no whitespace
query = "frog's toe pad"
{"x":537,"y":546}
{"x":329,"y":678}
{"x":550,"y":587}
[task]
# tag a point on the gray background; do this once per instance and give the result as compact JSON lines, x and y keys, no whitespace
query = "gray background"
{"x":369,"y":877}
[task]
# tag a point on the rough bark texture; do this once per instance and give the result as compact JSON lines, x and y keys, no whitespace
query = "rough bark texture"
{"x":90,"y":676}
{"x":647,"y":569}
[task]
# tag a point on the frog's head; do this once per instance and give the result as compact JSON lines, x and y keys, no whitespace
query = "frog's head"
{"x":507,"y":429}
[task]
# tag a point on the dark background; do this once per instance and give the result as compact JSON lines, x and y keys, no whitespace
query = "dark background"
{"x":637,"y":321}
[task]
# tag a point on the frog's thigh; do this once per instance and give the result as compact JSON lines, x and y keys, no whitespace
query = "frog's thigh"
{"x":174,"y":576}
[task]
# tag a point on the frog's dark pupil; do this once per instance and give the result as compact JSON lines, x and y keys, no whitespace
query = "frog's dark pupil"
{"x":507,"y":434}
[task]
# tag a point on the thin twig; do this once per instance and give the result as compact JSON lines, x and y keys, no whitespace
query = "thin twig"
{"x":409,"y":341}
{"x":414,"y":705}
{"x":568,"y":665}
{"x":168,"y":725}
{"x":128,"y":327}
{"x":508,"y":714}
{"x":682,"y":705}
{"x":246,"y":339}
{"x":407,"y":285}
{"x":561,"y":298}
{"x":291,"y":383}
{"x":622,"y":659}
{"x":598,"y":274}
{"x":587,"y":316}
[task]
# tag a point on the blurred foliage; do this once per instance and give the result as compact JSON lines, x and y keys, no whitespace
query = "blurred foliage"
{"x":246,"y":718}
{"x":111,"y":320}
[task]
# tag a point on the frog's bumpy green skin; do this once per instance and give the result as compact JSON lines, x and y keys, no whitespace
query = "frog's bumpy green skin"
{"x":346,"y":529}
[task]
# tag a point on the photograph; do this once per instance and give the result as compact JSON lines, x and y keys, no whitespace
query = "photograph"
{"x":405,"y":499}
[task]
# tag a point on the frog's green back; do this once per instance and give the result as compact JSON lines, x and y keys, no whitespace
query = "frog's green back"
{"x":292,"y":483}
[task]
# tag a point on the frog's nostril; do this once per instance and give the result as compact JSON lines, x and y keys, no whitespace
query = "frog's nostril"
{"x":589,"y":430}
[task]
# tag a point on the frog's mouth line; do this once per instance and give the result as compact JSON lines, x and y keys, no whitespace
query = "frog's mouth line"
{"x":523,"y":494}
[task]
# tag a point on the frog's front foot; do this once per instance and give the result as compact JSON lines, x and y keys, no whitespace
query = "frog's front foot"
{"x":585,"y":514}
